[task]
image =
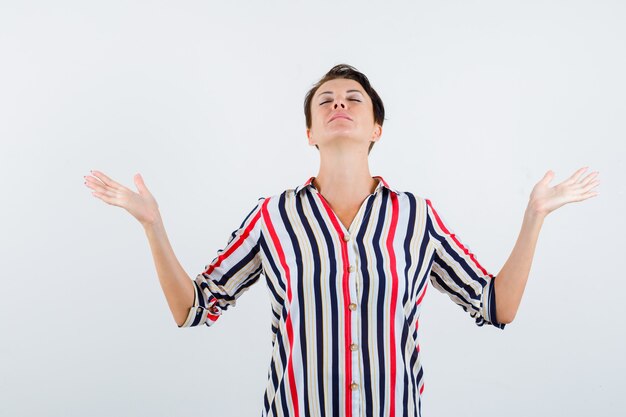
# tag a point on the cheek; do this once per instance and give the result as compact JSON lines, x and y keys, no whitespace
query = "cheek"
{"x":368,"y":117}
{"x":319,"y":116}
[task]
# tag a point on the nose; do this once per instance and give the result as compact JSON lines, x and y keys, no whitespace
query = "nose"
{"x":339,"y":102}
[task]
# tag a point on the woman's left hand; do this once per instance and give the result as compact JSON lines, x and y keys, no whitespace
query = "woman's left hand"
{"x":545,"y":199}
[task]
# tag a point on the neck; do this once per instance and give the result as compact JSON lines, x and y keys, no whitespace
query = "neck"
{"x":344,"y":176}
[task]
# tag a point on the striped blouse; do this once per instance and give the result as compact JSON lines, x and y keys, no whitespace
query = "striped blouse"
{"x":345,"y":302}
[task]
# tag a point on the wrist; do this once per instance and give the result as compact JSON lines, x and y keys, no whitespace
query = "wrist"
{"x":534,"y":212}
{"x":155,"y":222}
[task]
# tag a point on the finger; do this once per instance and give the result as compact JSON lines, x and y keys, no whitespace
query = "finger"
{"x":104,"y":197}
{"x":89,"y":183}
{"x":106,"y":180}
{"x":577,"y":174}
{"x":106,"y":192}
{"x":589,"y":178}
{"x":591,"y":185}
{"x":96,"y":185}
{"x":589,"y":195}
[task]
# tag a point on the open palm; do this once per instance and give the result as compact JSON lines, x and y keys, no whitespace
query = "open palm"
{"x":545,"y":199}
{"x":142,"y":204}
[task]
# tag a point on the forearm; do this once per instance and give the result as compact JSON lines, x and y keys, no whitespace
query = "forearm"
{"x":176,"y":284}
{"x":511,"y":281}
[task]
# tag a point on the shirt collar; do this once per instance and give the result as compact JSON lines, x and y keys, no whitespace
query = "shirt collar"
{"x":381,"y":183}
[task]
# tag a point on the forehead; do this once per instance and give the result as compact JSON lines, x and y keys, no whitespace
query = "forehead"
{"x":340,"y":85}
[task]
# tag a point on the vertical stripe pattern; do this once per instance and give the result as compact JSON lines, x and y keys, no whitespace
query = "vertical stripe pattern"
{"x":345,"y":302}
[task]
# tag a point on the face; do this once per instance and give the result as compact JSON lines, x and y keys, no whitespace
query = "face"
{"x":341,"y":111}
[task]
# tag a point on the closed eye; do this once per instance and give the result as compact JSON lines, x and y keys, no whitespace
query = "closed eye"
{"x":350,"y":99}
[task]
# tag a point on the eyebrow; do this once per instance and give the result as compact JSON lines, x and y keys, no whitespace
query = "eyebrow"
{"x":349,"y":91}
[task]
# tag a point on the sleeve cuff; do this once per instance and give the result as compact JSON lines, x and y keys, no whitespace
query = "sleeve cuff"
{"x":195,"y":311}
{"x":490,"y":313}
{"x":199,"y":313}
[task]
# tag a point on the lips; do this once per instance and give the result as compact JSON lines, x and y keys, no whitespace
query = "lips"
{"x":339,"y":116}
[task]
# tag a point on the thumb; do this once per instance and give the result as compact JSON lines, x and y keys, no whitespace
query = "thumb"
{"x":141,"y":186}
{"x":548,"y":177}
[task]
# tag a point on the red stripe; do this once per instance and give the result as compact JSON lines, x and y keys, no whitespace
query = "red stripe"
{"x":463,"y":248}
{"x":212,"y":309}
{"x":394,"y":296}
{"x":239,"y":240}
{"x":382,"y":180}
{"x":283,"y":262}
{"x":422,"y":389}
{"x":346,"y":302}
{"x":419,"y":300}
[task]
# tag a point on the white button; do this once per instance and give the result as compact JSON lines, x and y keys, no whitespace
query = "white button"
{"x":346,"y":237}
{"x":351,"y":269}
{"x":354,"y":347}
{"x":352,"y":306}
{"x":354,"y":385}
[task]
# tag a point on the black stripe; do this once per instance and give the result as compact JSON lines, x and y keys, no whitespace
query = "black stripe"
{"x":450,"y":251}
{"x":301,"y":340}
{"x":380,"y":305}
{"x":334,"y":306}
{"x":241,"y":265}
{"x":492,"y":307}
{"x":449,"y":270}
{"x":363,"y":308}
{"x":410,"y":229}
{"x":318,"y":319}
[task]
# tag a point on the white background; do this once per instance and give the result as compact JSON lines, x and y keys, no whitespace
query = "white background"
{"x":204,"y":99}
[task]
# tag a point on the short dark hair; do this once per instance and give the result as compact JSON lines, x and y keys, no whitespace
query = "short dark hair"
{"x":351,"y":73}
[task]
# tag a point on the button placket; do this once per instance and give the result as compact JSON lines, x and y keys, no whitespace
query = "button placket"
{"x":353,"y":346}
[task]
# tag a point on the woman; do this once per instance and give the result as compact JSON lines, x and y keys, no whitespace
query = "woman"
{"x":347,"y":260}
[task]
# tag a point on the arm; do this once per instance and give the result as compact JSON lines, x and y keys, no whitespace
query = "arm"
{"x":455,"y":271}
{"x":176,"y":284}
{"x":511,"y":281}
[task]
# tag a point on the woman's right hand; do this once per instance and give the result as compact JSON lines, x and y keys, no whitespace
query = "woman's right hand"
{"x":141,"y":205}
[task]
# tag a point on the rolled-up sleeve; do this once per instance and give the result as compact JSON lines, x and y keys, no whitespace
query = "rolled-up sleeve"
{"x":231,"y":273}
{"x":456,"y":272}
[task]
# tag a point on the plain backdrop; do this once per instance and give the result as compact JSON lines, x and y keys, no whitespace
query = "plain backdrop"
{"x":205,"y":100}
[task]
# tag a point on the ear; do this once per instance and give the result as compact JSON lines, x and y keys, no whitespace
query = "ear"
{"x":309,"y":136}
{"x":377,"y":133}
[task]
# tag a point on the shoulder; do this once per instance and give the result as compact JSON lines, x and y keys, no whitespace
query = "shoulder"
{"x":271,"y":202}
{"x":418,"y":200}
